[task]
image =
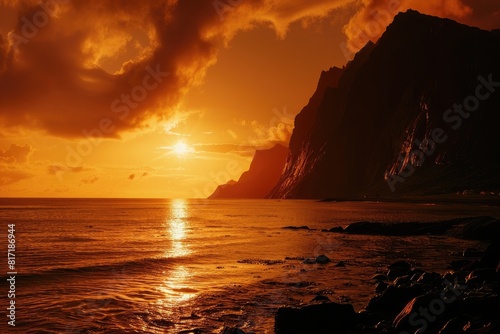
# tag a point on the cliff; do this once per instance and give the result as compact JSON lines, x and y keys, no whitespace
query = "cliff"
{"x":417,"y":113}
{"x":263,"y":174}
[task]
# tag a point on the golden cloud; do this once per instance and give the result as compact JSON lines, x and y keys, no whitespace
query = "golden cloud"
{"x":72,"y":69}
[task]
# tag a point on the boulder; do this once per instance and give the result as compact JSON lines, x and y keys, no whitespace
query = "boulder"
{"x":232,"y":330}
{"x":460,"y":264}
{"x":296,"y":227}
{"x":319,"y":319}
{"x":363,"y":228}
{"x":423,"y":314}
{"x":400,"y":265}
{"x":321,"y":298}
{"x":479,"y":276}
{"x":323,"y":259}
{"x":380,"y":278}
{"x":491,"y":256}
{"x":394,"y":299}
{"x":428,"y":278}
{"x":453,"y":326}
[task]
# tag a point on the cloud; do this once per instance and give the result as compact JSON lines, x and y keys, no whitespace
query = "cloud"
{"x":131,"y":177}
{"x":55,"y":70}
{"x":91,"y":180}
{"x":16,"y":154}
{"x":119,"y":66}
{"x":59,"y":168}
{"x":9,"y":176}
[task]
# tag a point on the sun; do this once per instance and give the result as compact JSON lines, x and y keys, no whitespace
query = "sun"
{"x":181,"y":148}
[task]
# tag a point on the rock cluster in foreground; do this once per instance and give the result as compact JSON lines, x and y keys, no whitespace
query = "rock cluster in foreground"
{"x":409,"y":300}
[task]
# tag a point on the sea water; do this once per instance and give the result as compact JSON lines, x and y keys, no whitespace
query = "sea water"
{"x":195,"y":266}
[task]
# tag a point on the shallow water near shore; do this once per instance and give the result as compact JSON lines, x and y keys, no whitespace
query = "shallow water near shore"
{"x":168,"y":266}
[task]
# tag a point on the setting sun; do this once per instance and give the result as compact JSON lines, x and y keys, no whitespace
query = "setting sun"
{"x":181,"y":148}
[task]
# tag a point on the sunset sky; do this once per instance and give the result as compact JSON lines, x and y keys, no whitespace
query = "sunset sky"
{"x":167,"y":98}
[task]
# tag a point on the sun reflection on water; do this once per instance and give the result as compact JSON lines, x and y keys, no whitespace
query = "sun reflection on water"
{"x":175,"y":286}
{"x":176,"y":225}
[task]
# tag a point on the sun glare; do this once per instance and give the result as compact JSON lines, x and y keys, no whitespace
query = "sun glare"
{"x":181,"y":148}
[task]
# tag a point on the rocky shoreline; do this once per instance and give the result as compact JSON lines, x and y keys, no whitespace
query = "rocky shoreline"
{"x":464,"y":298}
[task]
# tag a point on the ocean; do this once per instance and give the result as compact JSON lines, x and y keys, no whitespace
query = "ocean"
{"x":195,"y":266}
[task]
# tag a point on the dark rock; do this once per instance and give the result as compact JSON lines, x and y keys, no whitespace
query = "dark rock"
{"x":400,"y":265}
{"x":491,"y":256}
{"x":483,"y":310}
{"x":309,"y":260}
{"x":381,"y":287}
{"x":338,"y":229}
{"x":363,"y":228}
{"x":472,"y":252}
{"x":415,"y":277}
{"x":321,"y":298}
{"x":418,"y":315}
{"x":319,"y":319}
{"x":232,"y":330}
{"x":460,"y":264}
{"x":402,"y":280}
{"x":453,"y":326}
{"x":296,"y":227}
{"x":395,"y":273}
{"x":380,"y":278}
{"x":394,"y":299}
{"x":340,"y":264}
{"x":479,"y":276}
{"x":428,"y":278}
{"x":478,"y":228}
{"x":323,"y":259}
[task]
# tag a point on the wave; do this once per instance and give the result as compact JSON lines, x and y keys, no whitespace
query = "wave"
{"x":109,"y":269}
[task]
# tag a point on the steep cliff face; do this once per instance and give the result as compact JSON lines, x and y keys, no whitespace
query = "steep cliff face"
{"x":263,"y":174}
{"x":416,"y":113}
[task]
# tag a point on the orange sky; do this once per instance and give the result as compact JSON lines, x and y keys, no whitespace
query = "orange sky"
{"x":95,"y":95}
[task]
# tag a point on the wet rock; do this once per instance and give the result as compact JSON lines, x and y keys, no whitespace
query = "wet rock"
{"x":460,"y":264}
{"x":472,"y":252}
{"x":338,"y":229}
{"x":309,"y":260}
{"x":400,"y":265}
{"x":296,"y":227}
{"x":453,"y":326}
{"x":340,"y":264}
{"x":402,"y":280}
{"x":395,"y":273}
{"x":319,"y":319}
{"x":380,"y":278}
{"x":428,"y":278}
{"x":394,"y":299}
{"x":423,"y":313}
{"x":415,"y":276}
{"x":479,"y":276}
{"x":491,"y":256}
{"x":232,"y":330}
{"x":363,"y":228}
{"x":321,"y":298}
{"x":476,"y":228}
{"x":381,"y":287}
{"x":323,"y":259}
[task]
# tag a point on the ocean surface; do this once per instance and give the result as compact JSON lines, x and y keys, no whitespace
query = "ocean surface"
{"x":194,"y":266}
